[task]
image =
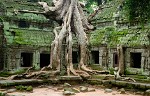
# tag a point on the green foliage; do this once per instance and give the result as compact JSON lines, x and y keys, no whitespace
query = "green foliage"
{"x":33,"y":17}
{"x":89,"y":5}
{"x":112,"y":37}
{"x":32,"y":37}
{"x":127,"y":72}
{"x":29,"y":88}
{"x":6,"y":74}
{"x":2,"y":94}
{"x":106,"y":14}
{"x":130,"y":86}
{"x":19,"y":38}
{"x":24,"y":88}
{"x":96,"y":37}
{"x":111,"y":71}
{"x":96,"y":67}
{"x":137,"y":10}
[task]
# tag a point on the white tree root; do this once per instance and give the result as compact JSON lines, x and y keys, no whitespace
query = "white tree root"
{"x":73,"y":22}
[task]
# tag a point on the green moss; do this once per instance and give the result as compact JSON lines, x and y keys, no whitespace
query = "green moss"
{"x":96,"y":67}
{"x":19,"y":37}
{"x":94,"y":82}
{"x":128,"y":72}
{"x":111,"y":71}
{"x":32,"y":37}
{"x":24,"y":88}
{"x":130,"y":86}
{"x":29,"y":88}
{"x":2,"y":94}
{"x":4,"y":74}
{"x":107,"y":13}
{"x":21,"y":88}
{"x":127,"y":37}
{"x":97,"y":37}
{"x":7,"y":74}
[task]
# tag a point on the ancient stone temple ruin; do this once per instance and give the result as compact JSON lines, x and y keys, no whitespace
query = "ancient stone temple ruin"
{"x":25,"y":38}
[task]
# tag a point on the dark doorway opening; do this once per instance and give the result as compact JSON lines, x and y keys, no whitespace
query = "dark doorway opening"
{"x":115,"y":60}
{"x":95,"y":57}
{"x":44,"y":60}
{"x":75,"y":57}
{"x":135,"y":60}
{"x":26,"y":59}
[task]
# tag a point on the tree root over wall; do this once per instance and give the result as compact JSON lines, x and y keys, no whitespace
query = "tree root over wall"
{"x":73,"y":21}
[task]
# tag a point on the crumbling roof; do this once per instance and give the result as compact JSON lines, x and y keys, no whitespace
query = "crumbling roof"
{"x":106,"y":14}
{"x":127,"y":37}
{"x":12,"y":5}
{"x":17,"y":36}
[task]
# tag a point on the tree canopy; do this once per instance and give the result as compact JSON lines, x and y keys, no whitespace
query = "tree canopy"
{"x":138,"y":10}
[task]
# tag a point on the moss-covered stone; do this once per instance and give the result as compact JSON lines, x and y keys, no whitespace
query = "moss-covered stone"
{"x":29,"y":88}
{"x":126,"y":37}
{"x":24,"y":88}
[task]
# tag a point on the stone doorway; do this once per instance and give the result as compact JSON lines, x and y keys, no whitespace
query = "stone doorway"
{"x":26,"y":59}
{"x":75,"y":57}
{"x":135,"y":60}
{"x":95,"y":57}
{"x":44,"y":60}
{"x":115,"y":60}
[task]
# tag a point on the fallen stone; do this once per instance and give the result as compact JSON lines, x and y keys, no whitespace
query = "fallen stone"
{"x":91,"y":89}
{"x":113,"y":93}
{"x":122,"y":91}
{"x":83,"y":89}
{"x":147,"y":92}
{"x":139,"y":93}
{"x":11,"y":90}
{"x":59,"y":88}
{"x":108,"y":90}
{"x":75,"y":90}
{"x":67,"y":85}
{"x":29,"y":88}
{"x":2,"y":90}
{"x":67,"y":89}
{"x":68,"y":93}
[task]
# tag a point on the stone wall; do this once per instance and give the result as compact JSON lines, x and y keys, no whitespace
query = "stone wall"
{"x":106,"y":58}
{"x":14,"y":57}
{"x":145,"y":61}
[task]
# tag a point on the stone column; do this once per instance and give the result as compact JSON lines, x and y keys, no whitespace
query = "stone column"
{"x":101,"y":49}
{"x":36,"y":59}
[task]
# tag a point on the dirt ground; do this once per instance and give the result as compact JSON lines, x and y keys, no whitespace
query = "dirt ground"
{"x":52,"y":91}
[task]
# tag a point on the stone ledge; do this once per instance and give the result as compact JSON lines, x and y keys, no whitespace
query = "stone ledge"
{"x":70,"y":78}
{"x":136,"y":85}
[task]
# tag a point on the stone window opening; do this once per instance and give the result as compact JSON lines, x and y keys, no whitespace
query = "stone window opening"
{"x":33,"y":0}
{"x":95,"y":57}
{"x":26,"y":59}
{"x":115,"y":60}
{"x":75,"y":57}
{"x":23,"y":24}
{"x":44,"y":60}
{"x":135,"y":60}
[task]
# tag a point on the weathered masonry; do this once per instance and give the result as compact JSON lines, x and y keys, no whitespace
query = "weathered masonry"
{"x":25,"y":39}
{"x":136,"y":59}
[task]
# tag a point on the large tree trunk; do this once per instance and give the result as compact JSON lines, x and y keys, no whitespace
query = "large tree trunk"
{"x":73,"y":22}
{"x":121,"y":69}
{"x":71,"y":17}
